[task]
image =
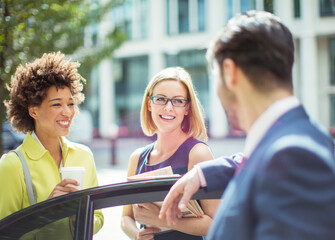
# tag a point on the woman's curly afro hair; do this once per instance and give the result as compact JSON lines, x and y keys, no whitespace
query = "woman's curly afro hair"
{"x":30,"y":83}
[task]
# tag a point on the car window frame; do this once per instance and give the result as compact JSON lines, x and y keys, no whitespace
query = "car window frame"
{"x":84,"y":202}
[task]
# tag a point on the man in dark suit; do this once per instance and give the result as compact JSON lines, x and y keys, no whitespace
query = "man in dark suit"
{"x":285,"y":187}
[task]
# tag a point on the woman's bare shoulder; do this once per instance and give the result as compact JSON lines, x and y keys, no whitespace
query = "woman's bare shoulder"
{"x":133,"y":161}
{"x":199,"y":153}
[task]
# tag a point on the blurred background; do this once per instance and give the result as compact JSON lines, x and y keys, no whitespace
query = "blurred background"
{"x":122,"y":44}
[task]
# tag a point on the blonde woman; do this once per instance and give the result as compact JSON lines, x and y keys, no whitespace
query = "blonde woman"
{"x":172,"y":111}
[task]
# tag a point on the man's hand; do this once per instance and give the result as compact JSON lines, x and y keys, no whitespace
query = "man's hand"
{"x":62,"y":188}
{"x":179,"y":196}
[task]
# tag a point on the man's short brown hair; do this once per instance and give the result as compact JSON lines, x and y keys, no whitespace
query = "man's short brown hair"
{"x":261,"y":45}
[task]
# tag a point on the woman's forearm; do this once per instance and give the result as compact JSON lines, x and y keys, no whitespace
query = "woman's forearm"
{"x":129,"y":227}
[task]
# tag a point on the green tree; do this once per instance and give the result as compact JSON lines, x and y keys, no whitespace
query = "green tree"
{"x":29,"y":28}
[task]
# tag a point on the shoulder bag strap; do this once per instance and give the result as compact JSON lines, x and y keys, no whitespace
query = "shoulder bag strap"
{"x":29,"y":183}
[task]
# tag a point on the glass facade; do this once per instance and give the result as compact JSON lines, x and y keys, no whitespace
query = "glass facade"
{"x":134,"y":23}
{"x":268,"y":5}
{"x":194,"y":62}
{"x":247,"y":5}
{"x":184,"y":16}
{"x":332,"y":80}
{"x":130,"y":82}
{"x":92,"y":93}
{"x":332,"y":110}
{"x":332,"y":60}
{"x":235,"y":6}
{"x":297,"y":9}
{"x":143,"y":20}
{"x":122,"y":17}
{"x":201,"y":15}
{"x":94,"y":35}
{"x":327,"y":8}
{"x":230,"y":9}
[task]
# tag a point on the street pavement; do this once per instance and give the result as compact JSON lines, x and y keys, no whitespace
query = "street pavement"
{"x":112,"y":162}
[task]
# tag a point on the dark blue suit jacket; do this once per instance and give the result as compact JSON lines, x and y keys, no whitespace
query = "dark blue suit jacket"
{"x":285,"y":189}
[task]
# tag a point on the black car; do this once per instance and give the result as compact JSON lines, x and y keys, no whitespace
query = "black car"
{"x":11,"y":139}
{"x":80,"y":207}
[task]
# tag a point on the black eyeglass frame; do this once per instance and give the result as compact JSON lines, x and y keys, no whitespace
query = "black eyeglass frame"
{"x":169,"y":100}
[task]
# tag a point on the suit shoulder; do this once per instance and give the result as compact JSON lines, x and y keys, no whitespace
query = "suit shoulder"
{"x":302,"y":142}
{"x":293,"y":147}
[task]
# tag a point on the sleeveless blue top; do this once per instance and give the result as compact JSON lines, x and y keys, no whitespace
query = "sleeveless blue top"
{"x":179,"y":163}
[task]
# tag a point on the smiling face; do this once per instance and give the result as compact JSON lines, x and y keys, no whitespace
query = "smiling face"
{"x":168,"y":118}
{"x":54,"y":116}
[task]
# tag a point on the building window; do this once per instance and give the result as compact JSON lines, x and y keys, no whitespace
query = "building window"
{"x":327,"y":8}
{"x":268,"y":5}
{"x":332,"y":83}
{"x":247,"y":5}
{"x":194,"y":62}
{"x":134,"y":23}
{"x":235,"y":6}
{"x":297,"y":13}
{"x":332,"y":110}
{"x":230,"y":9}
{"x":332,"y":60}
{"x":94,"y":35}
{"x":143,"y":19}
{"x":201,"y":15}
{"x":184,"y":16}
{"x":130,"y":82}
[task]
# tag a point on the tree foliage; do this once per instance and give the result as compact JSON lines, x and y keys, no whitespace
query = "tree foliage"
{"x":29,"y":28}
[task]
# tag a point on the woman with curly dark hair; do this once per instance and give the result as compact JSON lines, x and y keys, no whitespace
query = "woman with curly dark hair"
{"x":43,"y":101}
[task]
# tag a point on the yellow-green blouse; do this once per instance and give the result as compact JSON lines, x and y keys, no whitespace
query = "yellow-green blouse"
{"x":44,"y":173}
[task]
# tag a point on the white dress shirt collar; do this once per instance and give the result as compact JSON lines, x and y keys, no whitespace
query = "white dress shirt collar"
{"x":266,"y":120}
{"x":33,"y":134}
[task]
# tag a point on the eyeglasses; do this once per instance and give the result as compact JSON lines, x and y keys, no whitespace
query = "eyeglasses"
{"x":176,"y":102}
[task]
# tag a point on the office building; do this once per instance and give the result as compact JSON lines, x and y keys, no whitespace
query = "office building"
{"x":164,"y":33}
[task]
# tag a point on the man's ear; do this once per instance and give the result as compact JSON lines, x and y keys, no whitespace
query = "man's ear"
{"x":32,"y":112}
{"x":229,"y":73}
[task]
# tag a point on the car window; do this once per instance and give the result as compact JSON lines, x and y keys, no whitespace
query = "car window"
{"x":112,"y":225}
{"x":60,"y":229}
{"x":51,"y":219}
{"x":75,"y":211}
{"x":157,"y":192}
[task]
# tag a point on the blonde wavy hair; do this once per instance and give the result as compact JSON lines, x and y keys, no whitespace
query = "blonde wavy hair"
{"x":193,"y":123}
